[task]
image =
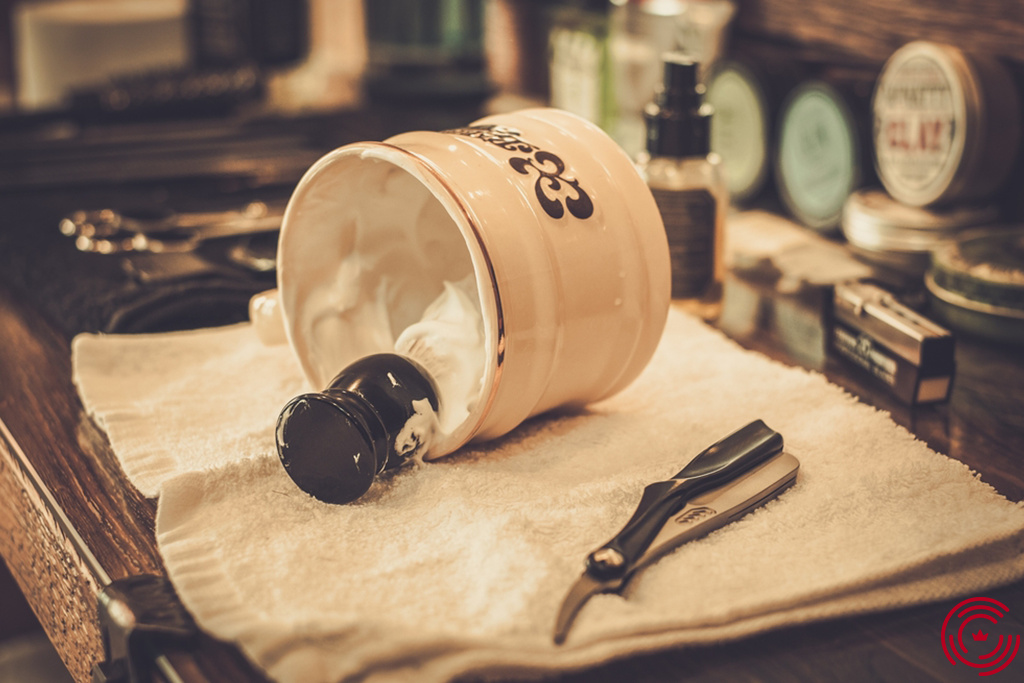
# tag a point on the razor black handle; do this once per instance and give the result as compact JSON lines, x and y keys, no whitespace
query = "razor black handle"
{"x":720,"y":463}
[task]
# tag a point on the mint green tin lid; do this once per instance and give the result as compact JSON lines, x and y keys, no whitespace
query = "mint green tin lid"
{"x":740,"y":129}
{"x":818,"y":160}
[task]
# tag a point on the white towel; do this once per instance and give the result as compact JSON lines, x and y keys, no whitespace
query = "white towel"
{"x":460,"y":565}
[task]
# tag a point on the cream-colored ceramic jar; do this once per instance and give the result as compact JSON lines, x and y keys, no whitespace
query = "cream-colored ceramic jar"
{"x":540,"y":208}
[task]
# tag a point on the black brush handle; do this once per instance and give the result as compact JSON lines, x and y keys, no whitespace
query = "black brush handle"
{"x":720,"y":463}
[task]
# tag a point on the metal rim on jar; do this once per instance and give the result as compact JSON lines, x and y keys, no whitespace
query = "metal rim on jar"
{"x":984,"y":320}
{"x":981,"y":266}
{"x":890,"y":226}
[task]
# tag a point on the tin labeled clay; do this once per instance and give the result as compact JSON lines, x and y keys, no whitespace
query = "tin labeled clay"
{"x":946,"y":125}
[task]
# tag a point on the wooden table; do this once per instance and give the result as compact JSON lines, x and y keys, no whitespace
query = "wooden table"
{"x":70,"y":523}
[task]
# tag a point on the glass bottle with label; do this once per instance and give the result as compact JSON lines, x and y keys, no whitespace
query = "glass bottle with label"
{"x":688,"y":185}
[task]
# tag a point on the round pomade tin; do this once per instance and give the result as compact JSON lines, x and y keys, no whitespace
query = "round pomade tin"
{"x":882,"y":230}
{"x":946,"y":124}
{"x":818,"y":160}
{"x":740,"y":128}
{"x":976,"y":284}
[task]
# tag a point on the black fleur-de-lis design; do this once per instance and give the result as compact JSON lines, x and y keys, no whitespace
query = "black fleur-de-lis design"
{"x":550,"y":169}
{"x":579,"y":206}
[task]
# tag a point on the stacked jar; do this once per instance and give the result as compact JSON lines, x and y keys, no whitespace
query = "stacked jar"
{"x":946,"y":133}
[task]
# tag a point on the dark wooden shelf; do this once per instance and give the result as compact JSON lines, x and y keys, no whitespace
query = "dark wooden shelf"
{"x":867,"y":32}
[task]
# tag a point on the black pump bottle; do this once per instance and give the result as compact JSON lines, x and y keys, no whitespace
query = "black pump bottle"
{"x":688,"y":186}
{"x":334,"y":443}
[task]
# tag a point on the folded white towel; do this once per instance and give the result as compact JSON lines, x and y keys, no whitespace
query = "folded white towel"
{"x":460,"y":564}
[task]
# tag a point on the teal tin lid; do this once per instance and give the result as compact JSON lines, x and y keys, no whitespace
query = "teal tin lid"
{"x":740,"y":128}
{"x":818,"y":161}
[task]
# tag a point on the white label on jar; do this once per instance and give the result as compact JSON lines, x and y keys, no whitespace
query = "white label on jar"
{"x":738,"y":130}
{"x":916,"y":125}
{"x":817,"y":160}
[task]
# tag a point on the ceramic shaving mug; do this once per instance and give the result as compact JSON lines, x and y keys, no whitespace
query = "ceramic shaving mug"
{"x":538,"y":214}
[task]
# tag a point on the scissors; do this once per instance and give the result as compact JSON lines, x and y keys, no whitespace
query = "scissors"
{"x":106,"y":231}
{"x":724,"y":482}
